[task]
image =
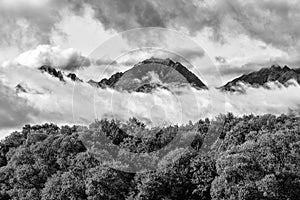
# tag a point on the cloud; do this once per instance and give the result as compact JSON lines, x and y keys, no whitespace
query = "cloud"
{"x":67,"y":59}
{"x":190,"y":54}
{"x":273,"y":22}
{"x":276,"y":101}
{"x":105,"y":61}
{"x":28,"y":23}
{"x":14,"y":111}
{"x":220,"y":59}
{"x":183,"y":55}
{"x":80,"y":103}
{"x":228,"y":69}
{"x":231,"y":70}
{"x":137,"y":14}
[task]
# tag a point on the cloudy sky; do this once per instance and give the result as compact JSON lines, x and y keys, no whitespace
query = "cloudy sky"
{"x":220,"y":39}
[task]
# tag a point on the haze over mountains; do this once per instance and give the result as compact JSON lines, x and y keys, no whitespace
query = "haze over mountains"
{"x":44,"y":93}
{"x":154,"y":73}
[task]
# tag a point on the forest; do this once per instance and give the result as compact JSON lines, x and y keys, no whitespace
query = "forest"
{"x":229,"y":157}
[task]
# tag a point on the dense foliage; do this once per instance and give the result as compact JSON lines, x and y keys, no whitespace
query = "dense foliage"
{"x":252,"y":157}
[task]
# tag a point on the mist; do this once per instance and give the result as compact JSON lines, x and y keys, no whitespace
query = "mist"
{"x":79,"y":103}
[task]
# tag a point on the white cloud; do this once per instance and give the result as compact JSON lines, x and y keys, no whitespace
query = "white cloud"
{"x":80,"y":103}
{"x":67,"y":59}
{"x":70,"y":102}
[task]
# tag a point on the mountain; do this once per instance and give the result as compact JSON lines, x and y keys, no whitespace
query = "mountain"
{"x":106,"y":82}
{"x":20,"y":88}
{"x":151,"y":74}
{"x":148,"y":87}
{"x":163,"y":72}
{"x":74,"y":77}
{"x":262,"y":77}
{"x":52,"y":71}
{"x":145,"y":76}
{"x":58,"y":74}
{"x":24,"y":88}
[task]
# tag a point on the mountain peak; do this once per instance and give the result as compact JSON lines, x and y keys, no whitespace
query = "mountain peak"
{"x":286,"y":68}
{"x":74,"y":77}
{"x":162,"y":61}
{"x":150,"y":74}
{"x":20,"y":88}
{"x":276,"y":66}
{"x":161,"y":71}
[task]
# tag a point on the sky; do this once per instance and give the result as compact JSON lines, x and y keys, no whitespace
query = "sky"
{"x":218,"y":40}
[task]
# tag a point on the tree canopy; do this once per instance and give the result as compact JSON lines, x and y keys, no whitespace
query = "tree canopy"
{"x":251,"y":157}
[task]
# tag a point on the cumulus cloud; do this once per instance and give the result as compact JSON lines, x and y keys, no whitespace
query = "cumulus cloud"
{"x":67,"y":59}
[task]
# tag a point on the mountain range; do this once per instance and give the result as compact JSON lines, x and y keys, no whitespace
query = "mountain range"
{"x":155,"y":73}
{"x":261,"y":78}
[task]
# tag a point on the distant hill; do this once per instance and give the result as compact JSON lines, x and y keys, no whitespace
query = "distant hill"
{"x":260,"y":78}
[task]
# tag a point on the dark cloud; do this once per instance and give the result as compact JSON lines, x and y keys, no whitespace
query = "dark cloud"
{"x":123,"y":15}
{"x":190,"y":54}
{"x":76,"y":62}
{"x":105,"y":61}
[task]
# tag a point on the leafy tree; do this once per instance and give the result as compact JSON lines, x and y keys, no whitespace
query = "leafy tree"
{"x":68,"y":185}
{"x":107,"y":183}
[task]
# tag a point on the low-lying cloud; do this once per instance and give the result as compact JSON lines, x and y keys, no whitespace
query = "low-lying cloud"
{"x":79,"y":103}
{"x":15,"y":111}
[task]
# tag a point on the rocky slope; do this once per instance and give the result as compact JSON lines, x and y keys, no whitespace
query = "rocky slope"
{"x":52,"y":71}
